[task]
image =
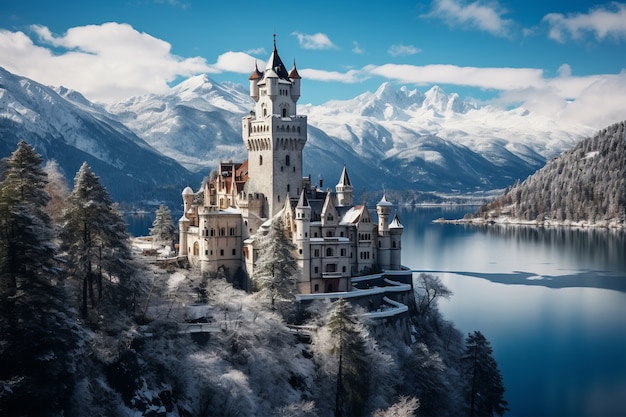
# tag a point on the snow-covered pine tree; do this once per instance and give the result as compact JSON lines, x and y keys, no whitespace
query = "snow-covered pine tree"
{"x":352,"y":387}
{"x":95,"y":237}
{"x":163,"y":226}
{"x":37,"y":335}
{"x":276,"y":271}
{"x":484,"y":384}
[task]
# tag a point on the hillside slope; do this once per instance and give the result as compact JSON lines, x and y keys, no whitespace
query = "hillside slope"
{"x":585,"y":185}
{"x":63,"y":125}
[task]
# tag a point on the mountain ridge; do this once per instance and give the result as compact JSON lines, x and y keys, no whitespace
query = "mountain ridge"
{"x":393,"y":138}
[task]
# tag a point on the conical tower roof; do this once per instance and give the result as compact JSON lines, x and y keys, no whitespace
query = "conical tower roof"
{"x":276,"y":64}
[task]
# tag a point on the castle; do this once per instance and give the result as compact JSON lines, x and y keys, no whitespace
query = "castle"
{"x":337,"y":243}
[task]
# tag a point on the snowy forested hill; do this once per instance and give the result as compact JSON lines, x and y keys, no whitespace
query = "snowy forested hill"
{"x":586,"y":184}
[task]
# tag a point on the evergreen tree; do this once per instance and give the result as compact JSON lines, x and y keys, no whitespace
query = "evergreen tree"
{"x":484,"y":385}
{"x":276,"y":271}
{"x":36,"y":330}
{"x":95,"y":237}
{"x":163,"y":226}
{"x":352,"y":375}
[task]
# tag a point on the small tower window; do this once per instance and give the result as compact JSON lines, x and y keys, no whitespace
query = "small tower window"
{"x":260,"y":159}
{"x":287,"y":161}
{"x":284,"y":112}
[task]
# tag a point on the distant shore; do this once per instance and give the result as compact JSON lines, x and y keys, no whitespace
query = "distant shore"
{"x":505,"y":220}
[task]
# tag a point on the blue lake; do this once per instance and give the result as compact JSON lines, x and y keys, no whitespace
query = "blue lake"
{"x":552,"y":302}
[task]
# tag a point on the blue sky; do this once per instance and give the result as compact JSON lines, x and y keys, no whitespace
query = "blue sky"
{"x":542,"y":54}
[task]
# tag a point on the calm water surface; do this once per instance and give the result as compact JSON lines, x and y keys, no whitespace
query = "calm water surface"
{"x":552,"y":302}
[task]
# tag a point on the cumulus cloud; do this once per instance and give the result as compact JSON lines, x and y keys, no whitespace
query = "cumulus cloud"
{"x":104,"y":62}
{"x":398,"y":50}
{"x":485,"y":16}
{"x":603,"y":22}
{"x":315,"y":41}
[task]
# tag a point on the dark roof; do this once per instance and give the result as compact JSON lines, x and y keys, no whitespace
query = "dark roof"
{"x":277,"y":65}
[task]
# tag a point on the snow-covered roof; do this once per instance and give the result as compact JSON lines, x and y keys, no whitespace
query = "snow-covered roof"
{"x":395,"y":223}
{"x":352,"y":216}
{"x":384,"y":202}
{"x":187,"y":191}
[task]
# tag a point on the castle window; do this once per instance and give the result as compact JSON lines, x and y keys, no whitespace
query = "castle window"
{"x":316,"y":288}
{"x":288,"y":187}
{"x":306,"y":234}
{"x":300,"y":251}
{"x":232,"y":231}
{"x":284,"y":112}
{"x":343,"y":252}
{"x":329,"y":234}
{"x":317,"y":253}
{"x":316,"y":270}
{"x":343,"y":268}
{"x":206,"y":252}
{"x":260,"y":159}
{"x":221,"y":252}
{"x":222,"y":231}
{"x":329,"y":251}
{"x":234,"y":252}
{"x":329,"y":288}
{"x":287,"y":160}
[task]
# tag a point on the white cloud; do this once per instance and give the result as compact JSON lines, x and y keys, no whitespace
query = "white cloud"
{"x":478,"y":14}
{"x":357,"y":49}
{"x":397,"y":50}
{"x":488,"y":78}
{"x":315,"y":41}
{"x":104,"y":62}
{"x":603,"y":22}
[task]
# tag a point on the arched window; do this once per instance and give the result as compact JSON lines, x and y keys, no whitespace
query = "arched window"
{"x":196,"y":249}
{"x":284,"y":112}
{"x":260,"y":159}
{"x":287,"y":160}
{"x":329,"y":251}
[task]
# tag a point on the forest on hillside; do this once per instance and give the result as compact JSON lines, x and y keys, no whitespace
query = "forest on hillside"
{"x":91,"y":325}
{"x":585,"y":185}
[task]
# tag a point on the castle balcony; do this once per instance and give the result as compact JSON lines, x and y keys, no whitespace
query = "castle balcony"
{"x":331,"y":275}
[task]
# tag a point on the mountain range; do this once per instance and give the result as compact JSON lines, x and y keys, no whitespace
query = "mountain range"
{"x":393,"y":138}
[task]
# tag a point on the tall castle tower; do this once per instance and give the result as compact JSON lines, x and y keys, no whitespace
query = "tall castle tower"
{"x":274,"y":135}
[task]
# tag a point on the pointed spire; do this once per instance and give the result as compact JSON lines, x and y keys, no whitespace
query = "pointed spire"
{"x":276,"y":64}
{"x":294,"y":72}
{"x":303,"y":201}
{"x":395,"y":223}
{"x":256,"y":74}
{"x":383,"y":201}
{"x":344,"y":179}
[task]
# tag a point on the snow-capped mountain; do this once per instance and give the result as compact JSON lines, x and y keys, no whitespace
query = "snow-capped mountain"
{"x":62,"y":125}
{"x":408,"y":139}
{"x":198,"y":122}
{"x":392,"y":138}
